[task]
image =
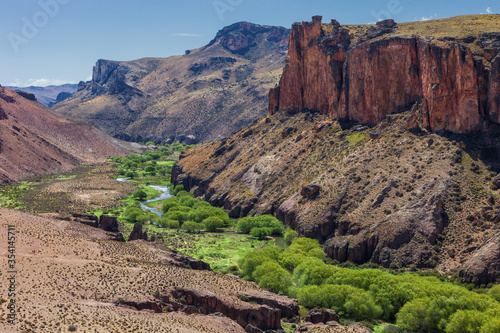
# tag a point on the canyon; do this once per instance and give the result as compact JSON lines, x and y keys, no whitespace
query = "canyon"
{"x":381,"y":142}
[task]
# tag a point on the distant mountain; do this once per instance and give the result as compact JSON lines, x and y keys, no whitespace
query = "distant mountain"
{"x":34,"y":141}
{"x":49,"y":95}
{"x":206,"y":94}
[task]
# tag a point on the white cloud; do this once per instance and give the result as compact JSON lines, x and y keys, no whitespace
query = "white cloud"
{"x":432,"y":17}
{"x":186,"y":35}
{"x":488,"y":11}
{"x":39,"y":82}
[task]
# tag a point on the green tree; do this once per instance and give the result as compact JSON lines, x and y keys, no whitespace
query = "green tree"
{"x":494,"y":293}
{"x":193,"y":226}
{"x":130,"y":174}
{"x":270,"y":275}
{"x":177,"y":189}
{"x":467,"y":321}
{"x":261,"y":233}
{"x":140,"y":195}
{"x":212,"y":223}
{"x":169,"y":203}
{"x":289,"y":235}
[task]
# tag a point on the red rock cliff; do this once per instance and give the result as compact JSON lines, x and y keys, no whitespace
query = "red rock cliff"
{"x":375,"y":77}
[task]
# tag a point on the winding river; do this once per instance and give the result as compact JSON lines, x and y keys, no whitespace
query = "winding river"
{"x":165,"y":194}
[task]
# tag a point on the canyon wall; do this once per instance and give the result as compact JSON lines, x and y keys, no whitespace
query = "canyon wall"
{"x":367,"y":79}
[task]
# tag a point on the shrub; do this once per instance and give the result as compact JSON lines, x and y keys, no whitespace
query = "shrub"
{"x":177,"y":216}
{"x":187,"y":201}
{"x":202,"y":213}
{"x":193,"y":226}
{"x":270,"y":275}
{"x":468,"y":321}
{"x":140,"y":195}
{"x":494,"y":293}
{"x":177,"y":189}
{"x":212,"y":223}
{"x":130,"y":174}
{"x":172,"y":224}
{"x":289,"y":235}
{"x":261,"y":233}
{"x":169,"y":203}
{"x":246,"y":224}
{"x":249,"y":262}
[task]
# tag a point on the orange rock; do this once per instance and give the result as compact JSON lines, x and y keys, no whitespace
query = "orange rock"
{"x":380,"y":76}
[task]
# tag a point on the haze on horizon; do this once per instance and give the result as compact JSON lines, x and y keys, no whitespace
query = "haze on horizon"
{"x":52,"y":42}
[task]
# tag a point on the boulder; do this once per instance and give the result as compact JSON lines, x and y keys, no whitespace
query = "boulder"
{"x":310,"y":191}
{"x":108,"y":223}
{"x":316,"y":316}
{"x":136,"y":233}
{"x":496,"y":180}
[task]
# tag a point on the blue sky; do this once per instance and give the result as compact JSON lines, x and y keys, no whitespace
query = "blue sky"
{"x":46,"y":42}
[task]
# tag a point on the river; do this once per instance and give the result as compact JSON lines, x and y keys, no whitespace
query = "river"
{"x":165,"y":194}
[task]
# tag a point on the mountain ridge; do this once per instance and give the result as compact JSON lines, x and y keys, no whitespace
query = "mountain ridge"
{"x":34,"y":141}
{"x":193,"y":95}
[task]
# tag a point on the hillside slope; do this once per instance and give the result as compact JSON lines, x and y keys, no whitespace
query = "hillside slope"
{"x":34,"y":141}
{"x":403,"y":192}
{"x":206,"y":94}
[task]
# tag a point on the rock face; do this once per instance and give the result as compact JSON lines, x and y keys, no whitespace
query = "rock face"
{"x":257,"y":314}
{"x":375,"y":77}
{"x":317,"y":316}
{"x":108,"y":223}
{"x":483,"y":266}
{"x":136,"y":233}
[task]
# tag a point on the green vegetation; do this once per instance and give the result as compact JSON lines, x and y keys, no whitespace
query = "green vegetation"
{"x":355,"y":139}
{"x":415,"y":303}
{"x":260,"y":225}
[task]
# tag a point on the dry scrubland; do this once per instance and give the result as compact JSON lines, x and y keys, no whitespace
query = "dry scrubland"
{"x":71,"y":274}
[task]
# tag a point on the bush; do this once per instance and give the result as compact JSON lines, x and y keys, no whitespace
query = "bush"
{"x":135,"y":214}
{"x":246,"y":224}
{"x":169,"y":203}
{"x":249,"y":262}
{"x":177,"y":189}
{"x":289,"y":235}
{"x":203,"y":213}
{"x":140,"y":195}
{"x":494,"y":293}
{"x":172,"y":224}
{"x":468,"y":321}
{"x":213,"y":223}
{"x":177,"y":216}
{"x":130,"y":174}
{"x":261,"y":233}
{"x":193,"y":226}
{"x":270,"y":275}
{"x":187,"y":201}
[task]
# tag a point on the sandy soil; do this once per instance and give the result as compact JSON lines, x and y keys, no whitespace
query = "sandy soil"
{"x":71,"y":274}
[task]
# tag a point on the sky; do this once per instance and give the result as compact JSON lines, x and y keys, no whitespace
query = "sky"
{"x":44,"y":42}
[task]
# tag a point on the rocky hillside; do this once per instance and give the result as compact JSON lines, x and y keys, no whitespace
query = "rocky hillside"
{"x":415,"y":189}
{"x":204,"y":95}
{"x":49,"y":95}
{"x":34,"y":141}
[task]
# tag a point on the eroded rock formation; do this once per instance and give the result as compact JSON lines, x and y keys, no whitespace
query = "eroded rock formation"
{"x":377,"y":76}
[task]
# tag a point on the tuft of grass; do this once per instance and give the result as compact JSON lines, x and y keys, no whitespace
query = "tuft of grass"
{"x":355,"y":139}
